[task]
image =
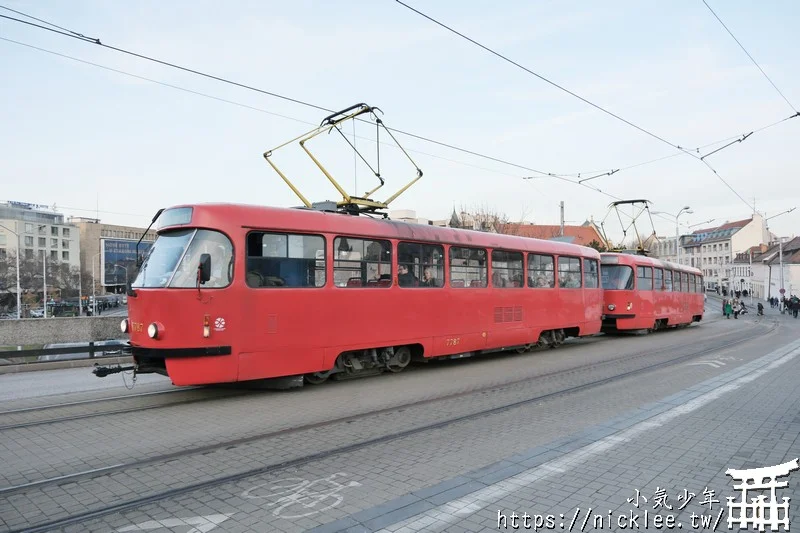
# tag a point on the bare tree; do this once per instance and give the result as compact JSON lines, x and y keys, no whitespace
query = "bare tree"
{"x":489,"y":219}
{"x":60,"y":276}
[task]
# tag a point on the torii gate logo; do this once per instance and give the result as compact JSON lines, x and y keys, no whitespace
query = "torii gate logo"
{"x":760,"y":512}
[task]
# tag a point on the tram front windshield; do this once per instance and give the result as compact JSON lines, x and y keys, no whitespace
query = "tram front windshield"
{"x":617,"y":277}
{"x":173,"y":260}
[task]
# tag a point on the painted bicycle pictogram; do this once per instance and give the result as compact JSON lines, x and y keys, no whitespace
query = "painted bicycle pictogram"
{"x":297,"y":497}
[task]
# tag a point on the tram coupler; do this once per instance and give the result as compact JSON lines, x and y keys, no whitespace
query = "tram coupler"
{"x":103,"y":371}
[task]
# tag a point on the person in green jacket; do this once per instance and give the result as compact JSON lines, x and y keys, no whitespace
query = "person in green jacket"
{"x":728,"y":309}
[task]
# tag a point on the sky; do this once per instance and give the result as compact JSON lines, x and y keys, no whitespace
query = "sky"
{"x":96,"y":142}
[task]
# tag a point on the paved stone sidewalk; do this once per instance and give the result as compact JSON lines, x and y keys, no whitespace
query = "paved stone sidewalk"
{"x":683,"y":445}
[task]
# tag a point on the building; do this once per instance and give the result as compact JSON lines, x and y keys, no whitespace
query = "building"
{"x":583,"y":235}
{"x":713,"y":250}
{"x":664,"y":248}
{"x":45,"y":244}
{"x":410,"y":216}
{"x":108,"y":254}
{"x":778,"y":267}
{"x":748,"y":272}
{"x":40,"y":230}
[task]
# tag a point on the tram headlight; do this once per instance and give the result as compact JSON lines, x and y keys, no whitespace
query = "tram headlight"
{"x":123,"y":326}
{"x":152,"y":330}
{"x":630,"y":306}
{"x":611,"y":307}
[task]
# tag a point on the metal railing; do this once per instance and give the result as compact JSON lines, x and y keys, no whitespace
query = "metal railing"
{"x":89,"y":350}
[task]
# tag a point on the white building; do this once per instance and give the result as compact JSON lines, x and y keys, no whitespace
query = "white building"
{"x":773,"y":261}
{"x":39,"y":231}
{"x":663,"y":248}
{"x":713,"y":250}
{"x":410,"y":216}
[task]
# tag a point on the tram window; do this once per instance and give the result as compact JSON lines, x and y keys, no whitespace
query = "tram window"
{"x":362,"y":263}
{"x":668,"y":280}
{"x":468,"y":267}
{"x":692,"y":282}
{"x":617,"y":277}
{"x":420,"y":265}
{"x":541,"y":271}
{"x":219,"y":247}
{"x":507,"y":269}
{"x":685,"y":282}
{"x":285,"y":260}
{"x":590,"y":274}
{"x":658,"y":284}
{"x":569,"y":272}
{"x":644,"y":278}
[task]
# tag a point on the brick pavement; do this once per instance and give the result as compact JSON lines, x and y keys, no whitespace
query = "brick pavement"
{"x":384,"y":472}
{"x":401,"y":479}
{"x":746,"y":418}
{"x":86,"y":445}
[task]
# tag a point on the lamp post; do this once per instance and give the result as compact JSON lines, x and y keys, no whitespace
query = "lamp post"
{"x":19,"y":250}
{"x":125,"y":269}
{"x":44,"y":281}
{"x":94,"y":287}
{"x":780,"y":249}
{"x":686,"y":209}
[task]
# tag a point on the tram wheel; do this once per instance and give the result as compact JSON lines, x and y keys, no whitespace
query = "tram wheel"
{"x":401,"y":359}
{"x":317,"y":378}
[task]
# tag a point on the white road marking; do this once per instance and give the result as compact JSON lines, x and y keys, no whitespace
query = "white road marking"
{"x":202,"y":524}
{"x":449,"y":513}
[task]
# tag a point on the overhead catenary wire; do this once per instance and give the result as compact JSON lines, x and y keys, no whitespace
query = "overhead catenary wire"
{"x":250,"y":107}
{"x":546,"y":80}
{"x":751,"y":57}
{"x":562,"y":177}
{"x":596,"y":106}
{"x":76,"y":35}
{"x":224,"y":100}
{"x":69,"y":33}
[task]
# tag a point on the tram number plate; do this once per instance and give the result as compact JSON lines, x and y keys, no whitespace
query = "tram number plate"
{"x":137,"y":327}
{"x":453,"y":341}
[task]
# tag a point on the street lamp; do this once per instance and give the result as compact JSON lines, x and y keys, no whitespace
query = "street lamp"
{"x":125,"y":269}
{"x":780,"y":248}
{"x":701,"y":223}
{"x":686,"y":209}
{"x":94,"y":287}
{"x":19,"y":250}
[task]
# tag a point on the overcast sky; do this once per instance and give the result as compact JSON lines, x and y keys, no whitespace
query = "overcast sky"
{"x":82,"y":137}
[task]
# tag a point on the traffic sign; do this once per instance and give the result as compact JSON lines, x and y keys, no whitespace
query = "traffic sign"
{"x":782,"y":291}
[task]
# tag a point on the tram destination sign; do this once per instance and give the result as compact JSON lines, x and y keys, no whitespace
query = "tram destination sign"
{"x":118,"y":260}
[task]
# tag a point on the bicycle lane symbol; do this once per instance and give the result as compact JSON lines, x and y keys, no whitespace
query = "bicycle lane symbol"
{"x":298,"y":497}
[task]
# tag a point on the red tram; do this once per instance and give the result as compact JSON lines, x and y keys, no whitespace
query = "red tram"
{"x":233,"y":293}
{"x":642,"y":293}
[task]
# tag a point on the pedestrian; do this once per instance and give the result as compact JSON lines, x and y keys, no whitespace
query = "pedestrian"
{"x":728,"y":309}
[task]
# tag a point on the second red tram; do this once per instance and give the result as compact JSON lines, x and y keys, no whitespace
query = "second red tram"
{"x":642,"y":293}
{"x":233,"y":293}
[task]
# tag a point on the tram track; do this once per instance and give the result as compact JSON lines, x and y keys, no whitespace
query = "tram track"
{"x":109,"y":412}
{"x":183,"y":392}
{"x":299,"y":461}
{"x":349,"y":418}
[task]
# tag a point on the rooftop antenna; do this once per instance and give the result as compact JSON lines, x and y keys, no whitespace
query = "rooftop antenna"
{"x":349,"y":204}
{"x":638,"y":207}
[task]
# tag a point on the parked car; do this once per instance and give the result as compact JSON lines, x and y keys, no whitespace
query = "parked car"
{"x":82,"y":355}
